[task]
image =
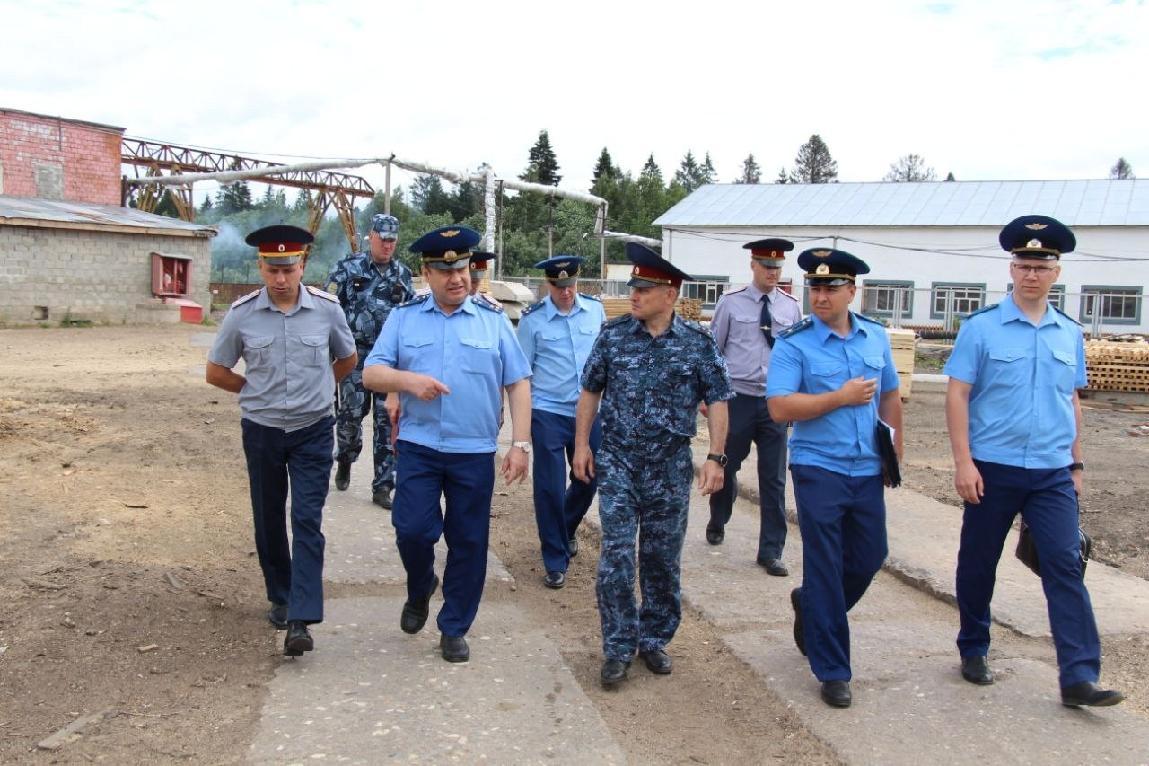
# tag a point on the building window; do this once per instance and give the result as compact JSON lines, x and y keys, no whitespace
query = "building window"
{"x":1056,"y":295}
{"x":882,"y":297}
{"x":1112,"y":305}
{"x":171,"y":275}
{"x":949,"y":299}
{"x":707,"y":289}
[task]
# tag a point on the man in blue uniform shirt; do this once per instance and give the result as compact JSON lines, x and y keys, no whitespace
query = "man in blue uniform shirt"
{"x":1015,"y":429}
{"x":369,"y":285}
{"x":449,"y":357}
{"x":833,"y":375}
{"x":557,"y":334}
{"x":650,"y":370}
{"x":745,"y":325}
{"x":287,"y":336}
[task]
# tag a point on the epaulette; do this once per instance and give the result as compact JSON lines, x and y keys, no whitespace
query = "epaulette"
{"x":698,"y":328}
{"x":871,"y":320}
{"x":788,"y":295}
{"x":743,"y":288}
{"x":417,"y":300}
{"x":617,"y":321}
{"x":591,"y":297}
{"x":983,"y":309}
{"x":321,"y":294}
{"x":532,"y":307}
{"x":1071,"y":319}
{"x":488,"y":303}
{"x":246,"y":298}
{"x":797,"y":327}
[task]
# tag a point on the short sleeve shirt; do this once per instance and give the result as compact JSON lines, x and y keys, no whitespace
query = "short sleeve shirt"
{"x":737,"y":329}
{"x":473,"y":350}
{"x":287,"y":355}
{"x":557,"y":346}
{"x":813,"y":359}
{"x":651,"y":386}
{"x":1023,"y":378}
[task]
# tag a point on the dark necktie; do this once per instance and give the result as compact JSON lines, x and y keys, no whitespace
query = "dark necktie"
{"x":765,"y":322}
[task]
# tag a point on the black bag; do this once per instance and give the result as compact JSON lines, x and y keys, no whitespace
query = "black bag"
{"x":1026,"y":551}
{"x":891,"y":473}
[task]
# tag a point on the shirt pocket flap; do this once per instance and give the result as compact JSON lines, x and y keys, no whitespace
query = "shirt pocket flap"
{"x":1065,"y":357}
{"x":550,"y":335}
{"x":826,"y":369}
{"x":1007,"y":354}
{"x":260,"y":342}
{"x":416,"y":341}
{"x":877,"y":362}
{"x":314,"y":341}
{"x":479,"y":343}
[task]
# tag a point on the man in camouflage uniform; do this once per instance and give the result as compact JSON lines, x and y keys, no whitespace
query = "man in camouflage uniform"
{"x":368,"y":286}
{"x":650,"y":370}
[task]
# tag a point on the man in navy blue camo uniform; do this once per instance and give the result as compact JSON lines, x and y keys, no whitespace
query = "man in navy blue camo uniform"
{"x":650,"y":370}
{"x":368,"y":286}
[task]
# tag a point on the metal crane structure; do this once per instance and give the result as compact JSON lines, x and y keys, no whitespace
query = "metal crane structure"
{"x":156,"y":160}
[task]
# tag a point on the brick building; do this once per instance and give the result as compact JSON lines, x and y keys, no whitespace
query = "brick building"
{"x":69,"y":251}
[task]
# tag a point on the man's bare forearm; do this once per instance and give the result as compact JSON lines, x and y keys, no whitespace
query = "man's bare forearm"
{"x":718,"y":423}
{"x":519,"y":395}
{"x":796,"y":407}
{"x":585,"y":413}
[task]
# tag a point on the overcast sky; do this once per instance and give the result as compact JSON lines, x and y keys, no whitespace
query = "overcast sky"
{"x":1002,"y":89}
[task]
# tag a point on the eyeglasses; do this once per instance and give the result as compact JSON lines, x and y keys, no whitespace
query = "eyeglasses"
{"x":1026,"y":268}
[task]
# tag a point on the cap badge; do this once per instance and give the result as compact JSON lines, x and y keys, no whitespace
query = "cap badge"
{"x":1033,"y":244}
{"x":450,"y":233}
{"x":563,"y":274}
{"x":1036,"y":226}
{"x":282,"y":248}
{"x":822,"y":269}
{"x":821,"y":253}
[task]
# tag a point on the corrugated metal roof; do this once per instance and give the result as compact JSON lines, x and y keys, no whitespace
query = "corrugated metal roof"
{"x":936,"y":203}
{"x":15,"y":210}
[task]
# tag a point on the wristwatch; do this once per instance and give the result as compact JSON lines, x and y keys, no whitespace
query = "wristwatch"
{"x":524,"y":446}
{"x":722,"y":460}
{"x":1077,"y":466}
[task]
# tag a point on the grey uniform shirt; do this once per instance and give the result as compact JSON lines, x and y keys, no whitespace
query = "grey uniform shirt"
{"x":287,"y":354}
{"x":737,"y":331}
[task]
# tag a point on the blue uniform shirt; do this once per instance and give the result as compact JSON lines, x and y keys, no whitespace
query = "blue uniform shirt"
{"x":287,"y":355}
{"x":1023,"y":378}
{"x":368,"y":291}
{"x":473,"y":350}
{"x":811,"y":359}
{"x":557,"y":346}
{"x":651,"y":386}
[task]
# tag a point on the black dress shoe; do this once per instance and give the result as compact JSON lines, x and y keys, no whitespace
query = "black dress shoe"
{"x":657,"y":661}
{"x":277,"y":616}
{"x":342,"y":474}
{"x":454,"y":648}
{"x":1087,"y":694}
{"x":298,"y":639}
{"x":774,"y":567}
{"x":414,"y":615}
{"x":837,"y":693}
{"x":555,"y":580}
{"x":572,"y":547}
{"x":382,"y":498}
{"x":715,"y":536}
{"x":975,"y":670}
{"x":613,"y":673}
{"x":799,"y":630}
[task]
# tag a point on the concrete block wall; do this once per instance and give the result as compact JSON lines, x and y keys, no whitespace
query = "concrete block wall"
{"x":52,"y":157}
{"x":51,"y":275}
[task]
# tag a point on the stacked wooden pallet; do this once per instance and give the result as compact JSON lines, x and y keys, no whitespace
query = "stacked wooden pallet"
{"x":902,"y":344}
{"x":687,"y":308}
{"x":1112,"y":366}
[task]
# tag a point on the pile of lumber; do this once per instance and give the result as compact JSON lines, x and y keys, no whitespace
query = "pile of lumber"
{"x":1115,"y":366}
{"x":687,"y":308}
{"x":903,"y":345}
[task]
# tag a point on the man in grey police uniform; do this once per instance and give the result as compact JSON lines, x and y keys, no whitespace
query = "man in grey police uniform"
{"x":745,"y":324}
{"x":287,"y":336}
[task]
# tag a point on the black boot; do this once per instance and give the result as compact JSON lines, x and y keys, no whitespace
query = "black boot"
{"x":342,"y":474}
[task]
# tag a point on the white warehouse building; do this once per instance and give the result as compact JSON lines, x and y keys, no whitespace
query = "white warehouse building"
{"x":932,"y":247}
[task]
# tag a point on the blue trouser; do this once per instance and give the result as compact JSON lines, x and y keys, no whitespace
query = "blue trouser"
{"x":467,"y":481}
{"x":355,"y":402}
{"x":277,"y":459}
{"x":559,"y":507}
{"x":843,"y":523}
{"x":1048,"y":503}
{"x":650,"y":499}
{"x":750,"y":421}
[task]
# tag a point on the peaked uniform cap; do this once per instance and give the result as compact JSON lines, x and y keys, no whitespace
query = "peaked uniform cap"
{"x":448,"y":247}
{"x":281,"y":244}
{"x":772,"y":249}
{"x":386,"y":226}
{"x":826,"y":266}
{"x":1037,"y":237}
{"x":562,"y":270}
{"x":651,"y":269}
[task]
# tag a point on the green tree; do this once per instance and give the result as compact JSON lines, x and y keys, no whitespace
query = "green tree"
{"x":542,"y":165}
{"x":751,"y":173}
{"x":706,"y":173}
{"x":910,"y":168}
{"x":687,"y":175}
{"x":167,"y":205}
{"x":813,"y":164}
{"x":1121,"y":170}
{"x":605,"y":172}
{"x":950,"y":176}
{"x":782,"y":177}
{"x":428,"y":195}
{"x":206,"y":206}
{"x":234,"y":198}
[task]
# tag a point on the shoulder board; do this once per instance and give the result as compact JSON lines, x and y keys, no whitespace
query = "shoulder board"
{"x":246,"y":298}
{"x":983,"y":309}
{"x":591,"y":297}
{"x":488,"y":303}
{"x":1071,"y":319}
{"x":787,"y":295}
{"x":735,"y":290}
{"x":690,"y":324}
{"x":797,"y":327}
{"x":871,"y":320}
{"x":418,"y":299}
{"x":617,"y":320}
{"x":533,"y":307}
{"x":320,"y":294}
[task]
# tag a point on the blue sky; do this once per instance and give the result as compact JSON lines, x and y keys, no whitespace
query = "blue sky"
{"x":1011,"y":89}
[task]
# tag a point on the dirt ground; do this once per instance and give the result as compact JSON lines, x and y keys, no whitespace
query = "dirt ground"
{"x":131,"y":592}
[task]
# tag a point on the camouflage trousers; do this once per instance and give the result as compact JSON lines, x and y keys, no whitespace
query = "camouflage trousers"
{"x":354,"y":403}
{"x":649,"y":501}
